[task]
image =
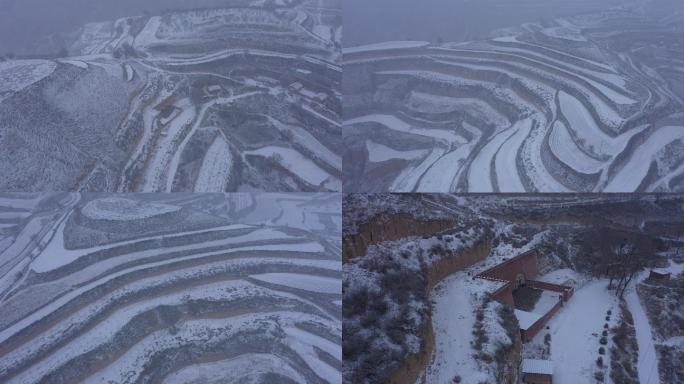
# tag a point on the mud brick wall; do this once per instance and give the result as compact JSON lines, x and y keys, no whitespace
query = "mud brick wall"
{"x":532,"y":331}
{"x":562,"y":289}
{"x":525,"y":263}
{"x":505,"y":294}
{"x":412,"y":367}
{"x":535,"y":378}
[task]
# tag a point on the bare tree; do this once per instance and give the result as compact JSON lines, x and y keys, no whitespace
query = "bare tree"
{"x":616,"y":254}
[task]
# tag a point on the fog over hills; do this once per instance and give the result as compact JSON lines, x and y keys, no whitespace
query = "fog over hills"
{"x":27,"y":26}
{"x":588,"y":102}
{"x":244,"y":96}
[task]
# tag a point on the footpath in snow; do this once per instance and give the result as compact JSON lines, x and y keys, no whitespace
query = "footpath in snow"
{"x":575,"y":331}
{"x":453,"y":319}
{"x":648,"y":362}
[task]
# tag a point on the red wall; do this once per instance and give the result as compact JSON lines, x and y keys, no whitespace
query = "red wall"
{"x":526,"y":264}
{"x":533,"y":378}
{"x":658,"y":276}
{"x":532,"y":331}
{"x":504,"y":294}
{"x":509,"y":269}
{"x":564,"y":289}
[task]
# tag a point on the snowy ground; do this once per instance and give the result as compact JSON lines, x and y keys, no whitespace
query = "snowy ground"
{"x":575,"y":331}
{"x":453,"y":320}
{"x":648,"y":361}
{"x":17,"y":75}
{"x":136,"y":96}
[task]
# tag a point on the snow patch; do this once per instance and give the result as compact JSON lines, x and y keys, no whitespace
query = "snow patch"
{"x":300,"y":281}
{"x":122,"y":209}
{"x":378,"y":153}
{"x":385,"y":46}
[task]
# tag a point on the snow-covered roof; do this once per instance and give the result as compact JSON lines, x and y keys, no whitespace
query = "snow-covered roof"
{"x":526,"y":319}
{"x":544,"y":367}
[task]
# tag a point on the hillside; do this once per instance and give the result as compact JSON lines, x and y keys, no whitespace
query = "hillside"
{"x":414,"y":311}
{"x":584,"y":103}
{"x":242,"y":97}
{"x":153,"y":288}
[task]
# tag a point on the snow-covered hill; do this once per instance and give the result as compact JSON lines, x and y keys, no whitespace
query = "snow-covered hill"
{"x":207,"y":100}
{"x":175,"y":293}
{"x":586,"y":103}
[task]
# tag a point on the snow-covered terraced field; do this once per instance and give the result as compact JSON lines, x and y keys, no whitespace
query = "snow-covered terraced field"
{"x":178,"y":102}
{"x":585,"y":105}
{"x":193,"y":288}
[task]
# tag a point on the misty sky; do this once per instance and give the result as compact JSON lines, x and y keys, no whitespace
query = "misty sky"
{"x":24,"y":23}
{"x":372,"y":21}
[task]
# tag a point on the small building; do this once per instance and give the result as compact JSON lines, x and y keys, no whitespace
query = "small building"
{"x":658,"y":274}
{"x":537,"y":371}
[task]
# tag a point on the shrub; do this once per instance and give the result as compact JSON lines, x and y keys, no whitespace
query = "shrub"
{"x":607,"y":318}
{"x":599,"y":376}
{"x":605,"y":333}
{"x":605,"y":326}
{"x":599,"y":361}
{"x":610,"y":312}
{"x":457,"y":379}
{"x":438,"y":250}
{"x":603,"y":341}
{"x":602,"y":351}
{"x":486,"y":357}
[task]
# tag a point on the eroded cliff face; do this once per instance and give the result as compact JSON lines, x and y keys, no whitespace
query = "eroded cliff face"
{"x":392,"y":227}
{"x":412,"y":368}
{"x":389,"y":227}
{"x":458,"y":261}
{"x":510,"y":359}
